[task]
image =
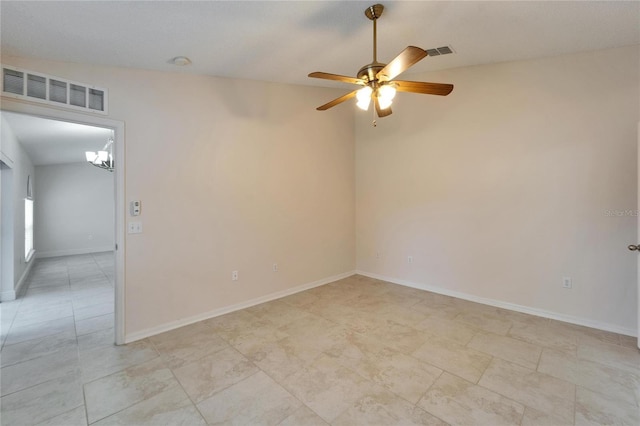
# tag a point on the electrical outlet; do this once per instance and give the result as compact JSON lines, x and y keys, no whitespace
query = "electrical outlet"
{"x":275,"y":267}
{"x":410,"y":259}
{"x":567,"y":282}
{"x":234,"y":275}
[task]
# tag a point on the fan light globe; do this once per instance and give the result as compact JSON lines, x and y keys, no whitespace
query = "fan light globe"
{"x":364,"y":97}
{"x":364,"y":104}
{"x":384,"y":103}
{"x":90,"y":156}
{"x":386,"y":94}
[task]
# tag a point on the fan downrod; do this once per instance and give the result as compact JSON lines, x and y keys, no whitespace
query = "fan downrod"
{"x":369,"y":71}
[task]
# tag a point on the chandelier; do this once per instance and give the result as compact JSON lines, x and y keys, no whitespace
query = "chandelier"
{"x":104,"y":158}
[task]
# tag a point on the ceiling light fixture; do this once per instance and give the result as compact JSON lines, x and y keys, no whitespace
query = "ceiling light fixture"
{"x":180,"y":61}
{"x":102,"y":159}
{"x":384,"y":94}
{"x":364,"y":97}
{"x":379,"y":80}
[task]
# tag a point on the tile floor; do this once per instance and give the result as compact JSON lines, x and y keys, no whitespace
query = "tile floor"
{"x":357,"y":351}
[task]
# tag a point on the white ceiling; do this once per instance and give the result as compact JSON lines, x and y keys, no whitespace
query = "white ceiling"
{"x":55,"y":142}
{"x":284,"y":41}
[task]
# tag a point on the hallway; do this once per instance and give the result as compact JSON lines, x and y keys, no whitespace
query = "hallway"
{"x":67,"y":308}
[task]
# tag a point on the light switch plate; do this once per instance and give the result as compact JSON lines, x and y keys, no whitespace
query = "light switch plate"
{"x":134,"y":228}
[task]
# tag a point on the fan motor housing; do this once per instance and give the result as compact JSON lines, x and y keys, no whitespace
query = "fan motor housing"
{"x":369,"y":72}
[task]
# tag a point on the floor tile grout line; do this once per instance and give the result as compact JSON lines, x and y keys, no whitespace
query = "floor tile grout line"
{"x":60,"y":414}
{"x":485,"y":370}
{"x":276,"y":382}
{"x":122,"y":409}
{"x":35,"y":338}
{"x":164,"y":364}
{"x":47,"y":320}
{"x":539,"y":359}
{"x":117,"y":371}
{"x":524,"y":409}
{"x":283,"y":385}
{"x":441,"y":373}
{"x":185,"y":392}
{"x":518,"y":401}
{"x":521,"y":364}
{"x":216,"y":392}
{"x":84,"y":398}
{"x":33,"y":386}
{"x":430,"y":386}
{"x":575,"y":403}
{"x":4,"y":339}
{"x":41,"y":356}
{"x":373,"y":381}
{"x":100,"y":267}
{"x":524,"y":404}
{"x":226,"y":387}
{"x":622,"y":371}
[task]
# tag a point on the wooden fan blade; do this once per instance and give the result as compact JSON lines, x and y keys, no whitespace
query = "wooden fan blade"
{"x":381,"y":112}
{"x":336,"y":77}
{"x":401,"y":63}
{"x":337,"y":101}
{"x":425,"y":88}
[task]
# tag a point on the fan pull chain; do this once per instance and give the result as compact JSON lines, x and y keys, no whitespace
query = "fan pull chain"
{"x":373,"y":113}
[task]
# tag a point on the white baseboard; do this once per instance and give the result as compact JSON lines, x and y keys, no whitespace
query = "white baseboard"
{"x":9,"y":295}
{"x":138,"y":335}
{"x":25,"y":275}
{"x":72,"y":252}
{"x":506,"y":305}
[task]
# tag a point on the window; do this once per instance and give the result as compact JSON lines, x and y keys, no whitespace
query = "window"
{"x":28,"y":229}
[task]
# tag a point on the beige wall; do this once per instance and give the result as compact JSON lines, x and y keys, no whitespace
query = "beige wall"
{"x":497,"y":191}
{"x":21,"y":170}
{"x":232,"y":175}
{"x":502,"y":188}
{"x":75,"y":210}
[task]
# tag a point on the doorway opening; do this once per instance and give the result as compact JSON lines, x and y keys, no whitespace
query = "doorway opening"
{"x":78,"y":222}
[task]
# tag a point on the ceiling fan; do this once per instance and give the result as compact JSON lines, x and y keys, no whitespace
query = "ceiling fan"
{"x":377,"y":78}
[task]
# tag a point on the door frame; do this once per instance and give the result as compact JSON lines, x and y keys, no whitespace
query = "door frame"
{"x":7,"y":289}
{"x":117,"y":126}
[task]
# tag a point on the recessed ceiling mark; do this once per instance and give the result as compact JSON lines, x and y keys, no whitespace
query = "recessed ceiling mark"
{"x":180,"y":61}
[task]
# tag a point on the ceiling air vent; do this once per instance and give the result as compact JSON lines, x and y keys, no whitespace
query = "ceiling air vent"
{"x":36,"y":86}
{"x":13,"y":82}
{"x":23,"y":84}
{"x":57,"y":91}
{"x":436,"y":51}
